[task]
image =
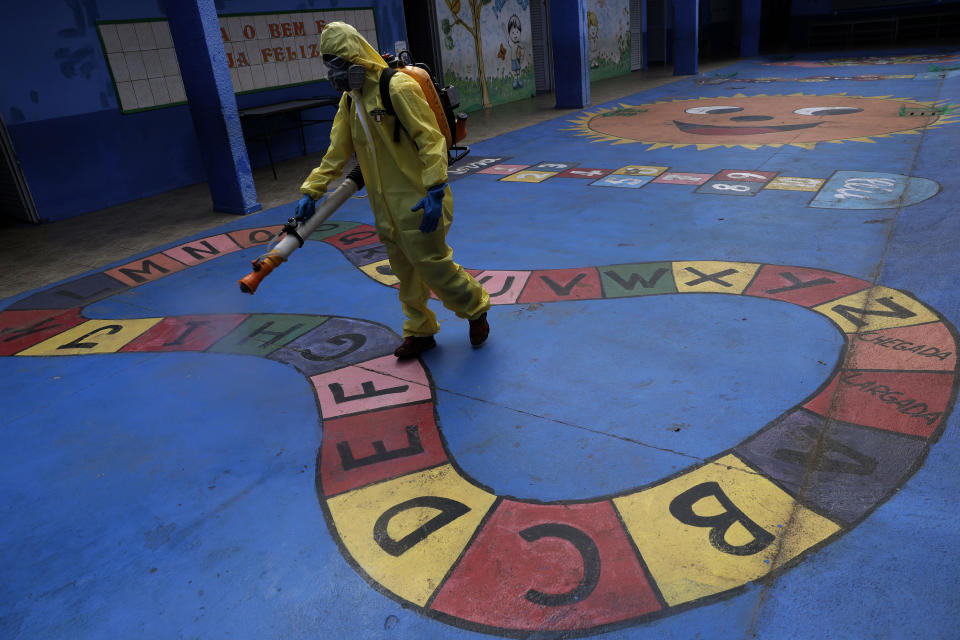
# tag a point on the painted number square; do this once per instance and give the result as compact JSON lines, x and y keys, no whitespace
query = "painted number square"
{"x":584,"y":172}
{"x":792,"y":183}
{"x":684,"y":178}
{"x":503,"y":169}
{"x":746,"y":176}
{"x":624,"y":182}
{"x":528,"y":176}
{"x":727,"y":188}
{"x":640,"y":170}
{"x":556,"y":167}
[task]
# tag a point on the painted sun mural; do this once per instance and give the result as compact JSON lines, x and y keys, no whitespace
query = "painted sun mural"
{"x":798,"y":120}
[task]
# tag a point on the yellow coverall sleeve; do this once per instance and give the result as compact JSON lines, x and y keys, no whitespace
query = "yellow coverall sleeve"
{"x":339,"y":151}
{"x":418,"y":119}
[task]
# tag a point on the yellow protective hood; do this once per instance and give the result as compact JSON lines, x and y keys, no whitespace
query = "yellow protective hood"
{"x":341,"y":39}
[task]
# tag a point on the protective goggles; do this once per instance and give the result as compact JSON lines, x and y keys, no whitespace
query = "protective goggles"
{"x":343,"y":75}
{"x":336,"y":62}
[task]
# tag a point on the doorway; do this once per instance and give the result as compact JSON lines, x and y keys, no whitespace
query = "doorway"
{"x":658,"y":22}
{"x":775,"y":26}
{"x":16,"y":201}
{"x":423,"y":38}
{"x":720,"y":29}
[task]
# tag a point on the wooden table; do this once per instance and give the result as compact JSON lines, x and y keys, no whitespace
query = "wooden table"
{"x":275,"y":118}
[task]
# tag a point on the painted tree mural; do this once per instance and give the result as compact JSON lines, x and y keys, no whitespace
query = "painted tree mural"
{"x":476,"y":6}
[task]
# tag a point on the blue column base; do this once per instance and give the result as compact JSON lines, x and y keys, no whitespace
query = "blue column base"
{"x":240,"y":211}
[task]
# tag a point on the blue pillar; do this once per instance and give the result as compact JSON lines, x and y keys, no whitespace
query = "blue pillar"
{"x":206,"y":80}
{"x":685,"y":25}
{"x":749,"y":28}
{"x":571,"y":64}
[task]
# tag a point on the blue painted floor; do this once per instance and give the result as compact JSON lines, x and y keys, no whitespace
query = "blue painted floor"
{"x":739,"y":447}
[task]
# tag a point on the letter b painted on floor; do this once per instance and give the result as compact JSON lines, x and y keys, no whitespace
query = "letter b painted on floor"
{"x":682,"y":509}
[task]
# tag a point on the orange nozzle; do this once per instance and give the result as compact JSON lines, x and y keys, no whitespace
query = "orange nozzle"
{"x":261,"y":269}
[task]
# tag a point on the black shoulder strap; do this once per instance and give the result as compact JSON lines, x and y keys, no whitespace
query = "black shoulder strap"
{"x":385,"y":77}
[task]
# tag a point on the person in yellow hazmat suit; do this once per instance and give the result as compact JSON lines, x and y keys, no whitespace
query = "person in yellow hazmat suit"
{"x":407,"y":185}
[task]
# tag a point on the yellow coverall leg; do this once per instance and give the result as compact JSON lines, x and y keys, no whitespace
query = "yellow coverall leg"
{"x":423,"y":262}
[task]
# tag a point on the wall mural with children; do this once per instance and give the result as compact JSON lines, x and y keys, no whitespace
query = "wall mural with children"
{"x":608,"y":33}
{"x":487,"y":50}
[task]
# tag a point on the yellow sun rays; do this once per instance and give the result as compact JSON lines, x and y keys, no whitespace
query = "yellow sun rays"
{"x":582,"y":122}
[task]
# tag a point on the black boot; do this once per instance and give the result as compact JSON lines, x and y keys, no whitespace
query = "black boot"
{"x":413,"y":346}
{"x":479,"y":330}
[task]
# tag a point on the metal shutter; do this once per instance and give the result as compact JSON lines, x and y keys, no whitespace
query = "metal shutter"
{"x":636,"y":34}
{"x":540,"y":33}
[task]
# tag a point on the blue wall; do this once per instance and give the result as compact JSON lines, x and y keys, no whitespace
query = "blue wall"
{"x":827,"y":7}
{"x":79,"y":153}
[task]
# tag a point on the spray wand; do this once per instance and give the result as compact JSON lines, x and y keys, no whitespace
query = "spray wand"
{"x":293,"y":233}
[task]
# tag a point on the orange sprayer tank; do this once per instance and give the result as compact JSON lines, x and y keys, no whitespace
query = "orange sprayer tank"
{"x":433,"y":99}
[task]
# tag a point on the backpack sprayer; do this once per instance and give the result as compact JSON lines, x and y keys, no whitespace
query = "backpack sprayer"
{"x":291,"y":237}
{"x":443,"y":101}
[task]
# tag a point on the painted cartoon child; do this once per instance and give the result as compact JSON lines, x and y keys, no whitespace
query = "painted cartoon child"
{"x":516,"y":59}
{"x":593,"y":32}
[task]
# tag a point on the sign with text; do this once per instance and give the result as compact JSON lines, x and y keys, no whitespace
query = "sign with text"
{"x":264,"y":51}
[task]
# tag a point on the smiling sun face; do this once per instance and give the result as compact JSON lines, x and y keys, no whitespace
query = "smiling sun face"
{"x":755,"y":121}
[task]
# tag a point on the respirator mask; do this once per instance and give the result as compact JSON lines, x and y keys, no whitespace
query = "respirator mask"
{"x":343,"y":75}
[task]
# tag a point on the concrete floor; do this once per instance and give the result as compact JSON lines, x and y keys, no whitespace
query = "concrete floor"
{"x":631,"y":454}
{"x":39,"y":255}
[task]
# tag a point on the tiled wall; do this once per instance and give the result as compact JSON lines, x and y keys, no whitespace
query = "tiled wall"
{"x":264,"y":51}
{"x":143,"y":64}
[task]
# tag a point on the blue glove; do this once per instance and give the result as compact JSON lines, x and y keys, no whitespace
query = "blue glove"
{"x":432,"y":206}
{"x":305,"y":209}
